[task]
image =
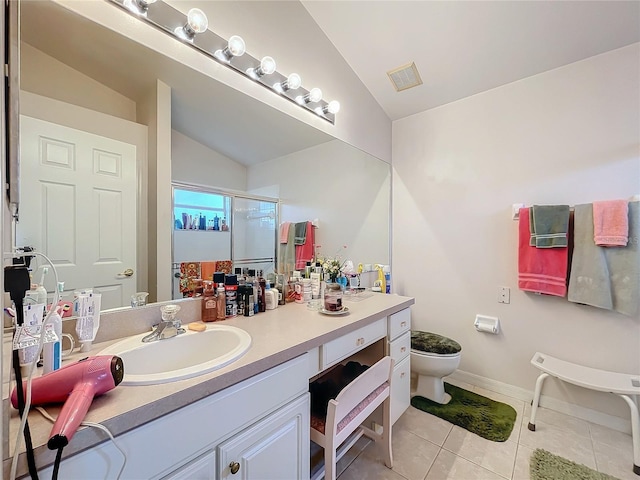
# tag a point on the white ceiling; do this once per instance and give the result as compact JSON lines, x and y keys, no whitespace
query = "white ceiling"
{"x":462,"y":48}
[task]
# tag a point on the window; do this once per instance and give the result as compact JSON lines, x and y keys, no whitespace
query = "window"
{"x":195,"y":210}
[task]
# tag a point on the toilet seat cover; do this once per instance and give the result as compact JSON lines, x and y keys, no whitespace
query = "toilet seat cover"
{"x":433,"y":343}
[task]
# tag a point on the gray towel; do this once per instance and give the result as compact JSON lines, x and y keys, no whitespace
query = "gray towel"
{"x":549,"y":225}
{"x":287,"y":253}
{"x":607,"y":278}
{"x":301,"y":233}
{"x":624,"y":267}
{"x":589,"y":280}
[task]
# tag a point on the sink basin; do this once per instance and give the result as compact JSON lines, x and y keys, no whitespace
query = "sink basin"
{"x":188,"y":355}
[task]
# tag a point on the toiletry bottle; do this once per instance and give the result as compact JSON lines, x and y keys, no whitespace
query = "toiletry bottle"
{"x":281,"y":287}
{"x":277,"y":295}
{"x":209,"y":303}
{"x":231,"y":292}
{"x":307,"y":270}
{"x":299,"y":296}
{"x":242,"y":298}
{"x":306,"y":290}
{"x":387,"y":278}
{"x":216,"y":223}
{"x":269,"y":299}
{"x":241,"y":278}
{"x":52,"y":351}
{"x":221,"y":302}
{"x":262,"y":285}
{"x":315,"y":285}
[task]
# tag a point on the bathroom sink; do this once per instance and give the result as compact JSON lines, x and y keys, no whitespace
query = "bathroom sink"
{"x":185,"y":356}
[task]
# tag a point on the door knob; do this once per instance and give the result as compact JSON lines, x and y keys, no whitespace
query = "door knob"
{"x":127,"y":273}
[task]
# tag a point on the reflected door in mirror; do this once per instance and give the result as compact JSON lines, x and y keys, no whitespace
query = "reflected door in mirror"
{"x":81,"y":211}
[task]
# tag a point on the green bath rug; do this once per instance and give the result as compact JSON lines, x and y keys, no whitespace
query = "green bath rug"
{"x":480,"y":415}
{"x":547,"y":466}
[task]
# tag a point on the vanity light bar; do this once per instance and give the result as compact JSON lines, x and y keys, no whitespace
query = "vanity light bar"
{"x":177,"y":24}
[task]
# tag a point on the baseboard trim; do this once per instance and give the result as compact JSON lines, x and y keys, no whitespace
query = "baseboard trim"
{"x":588,"y":414}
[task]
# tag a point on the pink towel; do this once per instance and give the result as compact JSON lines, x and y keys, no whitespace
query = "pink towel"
{"x":284,"y":231}
{"x":540,"y":270}
{"x":304,"y":252}
{"x":611,"y":223}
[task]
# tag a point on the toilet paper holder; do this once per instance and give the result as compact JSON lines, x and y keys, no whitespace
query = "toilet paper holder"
{"x":487,"y":324}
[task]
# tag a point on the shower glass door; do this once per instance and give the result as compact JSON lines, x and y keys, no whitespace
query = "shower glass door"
{"x":255,"y":223}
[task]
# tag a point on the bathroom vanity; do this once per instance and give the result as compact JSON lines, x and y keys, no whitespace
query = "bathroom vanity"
{"x":242,"y":420}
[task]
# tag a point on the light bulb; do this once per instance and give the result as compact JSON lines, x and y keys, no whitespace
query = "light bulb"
{"x":236,"y":46}
{"x":315,"y":95}
{"x":197,"y":20}
{"x":267,"y":65}
{"x":293,"y":82}
{"x":333,"y":107}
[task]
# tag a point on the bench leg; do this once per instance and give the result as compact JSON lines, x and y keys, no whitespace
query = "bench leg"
{"x":536,"y":401}
{"x":635,"y":432}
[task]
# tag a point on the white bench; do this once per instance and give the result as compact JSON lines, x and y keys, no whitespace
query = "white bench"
{"x":625,"y":385}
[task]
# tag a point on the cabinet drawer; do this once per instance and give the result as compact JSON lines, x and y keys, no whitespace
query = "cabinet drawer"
{"x":342,"y":347}
{"x":400,"y":347}
{"x":400,"y":389}
{"x":399,"y":323}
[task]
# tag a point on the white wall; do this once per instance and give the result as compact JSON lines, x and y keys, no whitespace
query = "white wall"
{"x":321,"y":182}
{"x":46,"y":76}
{"x":570,"y":135}
{"x":197,"y":164}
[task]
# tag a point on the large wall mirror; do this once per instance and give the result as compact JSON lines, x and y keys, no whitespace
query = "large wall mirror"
{"x":85,"y":99}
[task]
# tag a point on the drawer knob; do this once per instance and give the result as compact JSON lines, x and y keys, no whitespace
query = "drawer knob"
{"x":403,"y":324}
{"x":403,"y":374}
{"x":234,"y":467}
{"x":403,"y":349}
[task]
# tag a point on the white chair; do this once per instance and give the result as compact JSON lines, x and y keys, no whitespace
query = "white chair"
{"x":350,"y":408}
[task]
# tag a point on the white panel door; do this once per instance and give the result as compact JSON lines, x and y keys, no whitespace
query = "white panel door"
{"x":79,"y":207}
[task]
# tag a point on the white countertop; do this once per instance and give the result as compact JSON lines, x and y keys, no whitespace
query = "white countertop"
{"x":276,"y":336}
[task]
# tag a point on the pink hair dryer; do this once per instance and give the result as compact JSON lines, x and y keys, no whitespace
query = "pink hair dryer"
{"x":75,"y":385}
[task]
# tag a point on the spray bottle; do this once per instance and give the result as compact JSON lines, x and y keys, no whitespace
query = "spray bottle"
{"x":381,"y":280}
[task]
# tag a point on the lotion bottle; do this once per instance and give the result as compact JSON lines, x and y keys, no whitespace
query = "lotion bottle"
{"x":270,"y":301}
{"x":221,"y":302}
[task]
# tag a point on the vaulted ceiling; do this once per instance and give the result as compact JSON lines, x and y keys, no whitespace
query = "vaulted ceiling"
{"x":462,"y":48}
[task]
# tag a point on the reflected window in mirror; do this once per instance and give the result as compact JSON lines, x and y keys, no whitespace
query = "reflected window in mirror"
{"x":193,"y":210}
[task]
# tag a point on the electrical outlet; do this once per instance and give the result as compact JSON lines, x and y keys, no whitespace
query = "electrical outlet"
{"x":504,"y":295}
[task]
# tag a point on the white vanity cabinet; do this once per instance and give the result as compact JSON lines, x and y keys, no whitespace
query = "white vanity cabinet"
{"x":396,"y":330}
{"x":399,"y":348}
{"x":261,"y":423}
{"x":269,"y":449}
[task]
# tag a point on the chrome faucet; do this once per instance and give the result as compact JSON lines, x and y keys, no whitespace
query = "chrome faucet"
{"x":170,"y":326}
{"x":164,"y":330}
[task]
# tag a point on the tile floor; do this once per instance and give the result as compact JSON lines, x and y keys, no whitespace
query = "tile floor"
{"x":426,"y":447}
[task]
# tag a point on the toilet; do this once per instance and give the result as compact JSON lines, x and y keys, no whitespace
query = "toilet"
{"x":433,"y":357}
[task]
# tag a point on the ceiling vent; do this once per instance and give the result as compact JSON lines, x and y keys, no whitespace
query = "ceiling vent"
{"x":405,"y":77}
